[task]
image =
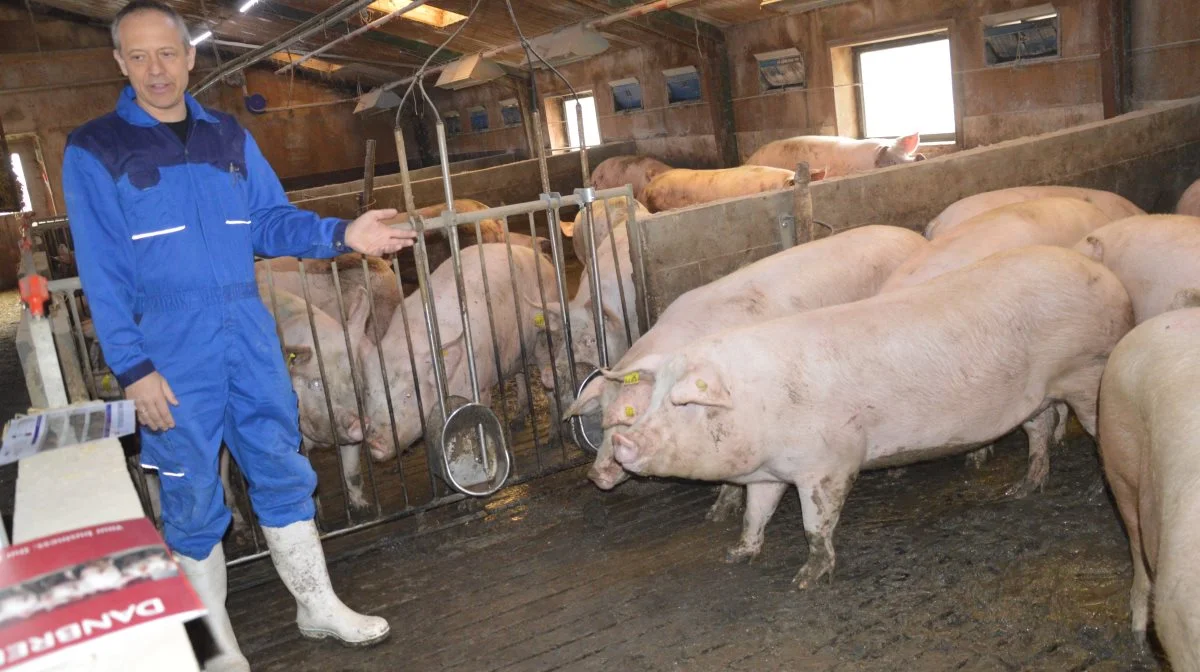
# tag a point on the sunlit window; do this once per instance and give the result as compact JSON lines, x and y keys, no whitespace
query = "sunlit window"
{"x":591,"y":125}
{"x":907,"y":88}
{"x":19,"y":170}
{"x":426,"y":14}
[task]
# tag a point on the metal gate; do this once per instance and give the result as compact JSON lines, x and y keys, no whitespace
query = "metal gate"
{"x":506,"y":441}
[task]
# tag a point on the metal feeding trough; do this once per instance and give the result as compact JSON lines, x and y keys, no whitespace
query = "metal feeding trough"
{"x":471,"y":454}
{"x":586,"y":429}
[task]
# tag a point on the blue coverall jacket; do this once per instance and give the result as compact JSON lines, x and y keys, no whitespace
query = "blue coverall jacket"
{"x":165,"y":236}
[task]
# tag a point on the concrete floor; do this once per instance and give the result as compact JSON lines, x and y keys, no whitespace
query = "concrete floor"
{"x":937,"y":570}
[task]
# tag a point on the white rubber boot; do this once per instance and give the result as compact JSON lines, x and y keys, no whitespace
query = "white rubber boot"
{"x":300,"y":561}
{"x":207,"y":576}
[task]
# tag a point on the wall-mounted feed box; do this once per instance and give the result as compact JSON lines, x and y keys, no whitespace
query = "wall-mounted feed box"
{"x":479,"y":118}
{"x":510,"y":112}
{"x":1021,"y":35}
{"x":627,"y":94}
{"x":568,"y":44}
{"x":781,"y":69}
{"x":683,"y":84}
{"x":452,"y":122}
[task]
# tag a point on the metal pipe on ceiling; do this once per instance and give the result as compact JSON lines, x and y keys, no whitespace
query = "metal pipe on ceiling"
{"x":631,"y":13}
{"x":337,"y":13}
{"x":359,"y":31}
{"x":327,"y":57}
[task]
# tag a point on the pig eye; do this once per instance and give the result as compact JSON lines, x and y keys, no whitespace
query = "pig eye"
{"x":315,"y":384}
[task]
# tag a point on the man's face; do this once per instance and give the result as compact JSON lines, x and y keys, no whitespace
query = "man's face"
{"x":156,"y":59}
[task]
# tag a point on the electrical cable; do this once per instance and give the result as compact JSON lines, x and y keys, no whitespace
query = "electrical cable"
{"x":420,"y":74}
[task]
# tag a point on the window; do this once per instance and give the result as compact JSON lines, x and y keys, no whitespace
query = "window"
{"x":510,"y":112}
{"x":683,"y":85}
{"x":906,"y":87}
{"x":19,"y":171}
{"x":1021,"y":36}
{"x":782,"y":69}
{"x":453,"y":124}
{"x":591,"y":125}
{"x":627,"y":94}
{"x":479,"y":118}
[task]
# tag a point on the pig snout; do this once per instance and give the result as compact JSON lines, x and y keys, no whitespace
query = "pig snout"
{"x":381,"y":446}
{"x":548,"y":377}
{"x":607,"y":474}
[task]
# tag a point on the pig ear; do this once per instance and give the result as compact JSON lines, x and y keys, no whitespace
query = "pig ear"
{"x":296,"y":355}
{"x":701,"y":384}
{"x":588,"y":401}
{"x":614,"y":319}
{"x":815,"y":174}
{"x":919,"y":157}
{"x":645,"y":367}
{"x":1092,"y":247}
{"x":568,"y":228}
{"x":357,"y":311}
{"x":908,"y":144}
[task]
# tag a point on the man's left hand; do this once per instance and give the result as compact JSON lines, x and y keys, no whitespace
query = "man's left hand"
{"x":368,"y":234}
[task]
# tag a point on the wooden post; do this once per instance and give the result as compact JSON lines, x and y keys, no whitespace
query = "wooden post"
{"x":1114,"y":61}
{"x":720,"y":100}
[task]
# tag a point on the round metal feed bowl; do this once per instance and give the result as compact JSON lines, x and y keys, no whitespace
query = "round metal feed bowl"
{"x":466,"y":468}
{"x":585,"y":429}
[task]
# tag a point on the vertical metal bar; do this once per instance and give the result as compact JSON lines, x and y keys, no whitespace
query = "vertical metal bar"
{"x":517,"y":299}
{"x":368,"y":191}
{"x":351,"y":356}
{"x":275,"y":304}
{"x":387,"y":386}
{"x":487,"y":302}
{"x":77,"y":331}
{"x":612,"y":239}
{"x":312,"y":327}
{"x":584,"y":169}
{"x":537,"y":271}
{"x":638,"y":261}
{"x":412,"y":367}
{"x":587,"y":197}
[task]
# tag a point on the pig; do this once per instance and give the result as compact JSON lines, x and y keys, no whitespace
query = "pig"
{"x":616,"y":208}
{"x":18,"y":603}
{"x":836,"y":155}
{"x":385,"y":290}
{"x":1157,"y":258}
{"x":347,"y":431}
{"x":515,"y":324}
{"x":1189,"y":203}
{"x":848,"y":266}
{"x":680,"y":188}
{"x":1149,"y":424}
{"x":1045,"y":221}
{"x":583,"y":329}
{"x":964,"y":209}
{"x":812,"y":399}
{"x":636,"y":171}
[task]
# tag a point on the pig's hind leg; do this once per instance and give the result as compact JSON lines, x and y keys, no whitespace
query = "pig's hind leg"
{"x":761,"y":501}
{"x":1040,"y":429}
{"x":730,"y":500}
{"x":821,"y":505}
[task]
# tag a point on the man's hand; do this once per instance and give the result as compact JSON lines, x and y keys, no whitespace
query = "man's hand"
{"x":369,"y":235}
{"x":150,"y":396}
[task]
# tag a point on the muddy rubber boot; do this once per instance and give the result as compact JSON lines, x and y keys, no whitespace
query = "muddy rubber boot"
{"x":207,"y":577}
{"x":300,"y":561}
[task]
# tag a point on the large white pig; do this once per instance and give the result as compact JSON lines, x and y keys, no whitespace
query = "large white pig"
{"x":583,"y":329}
{"x":845,"y":267}
{"x":837,"y":155}
{"x":1189,"y":203}
{"x":680,"y":187}
{"x":1156,"y":257}
{"x":956,"y":213}
{"x":1058,"y":221}
{"x":1150,"y":448}
{"x":385,"y":291}
{"x":811,"y":399}
{"x":515,"y":323}
{"x":636,"y":171}
{"x":616,"y":208}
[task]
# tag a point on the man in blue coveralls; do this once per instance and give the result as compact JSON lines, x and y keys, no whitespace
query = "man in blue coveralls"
{"x":168,"y":202}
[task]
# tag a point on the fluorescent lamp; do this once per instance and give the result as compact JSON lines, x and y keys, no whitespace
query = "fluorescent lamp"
{"x":201,"y":37}
{"x":426,"y":14}
{"x":247,"y":5}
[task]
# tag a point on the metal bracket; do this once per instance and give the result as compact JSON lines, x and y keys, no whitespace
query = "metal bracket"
{"x":786,"y":231}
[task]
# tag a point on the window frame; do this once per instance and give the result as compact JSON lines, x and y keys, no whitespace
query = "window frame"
{"x":641,"y":98}
{"x":668,"y":73}
{"x":1021,"y":16}
{"x":764,"y":86}
{"x":583,"y":142}
{"x":21,"y":182}
{"x":883,"y":45}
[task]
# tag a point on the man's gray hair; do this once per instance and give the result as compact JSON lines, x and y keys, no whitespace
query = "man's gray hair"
{"x":149,"y":5}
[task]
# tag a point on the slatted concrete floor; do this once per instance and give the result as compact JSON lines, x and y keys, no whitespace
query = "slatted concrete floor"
{"x":937,"y":571}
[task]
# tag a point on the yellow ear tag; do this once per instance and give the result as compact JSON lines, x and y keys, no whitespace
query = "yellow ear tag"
{"x":701,"y":385}
{"x":539,"y":320}
{"x":632,"y":378}
{"x":291,"y":358}
{"x":629,"y":412}
{"x":445,"y":352}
